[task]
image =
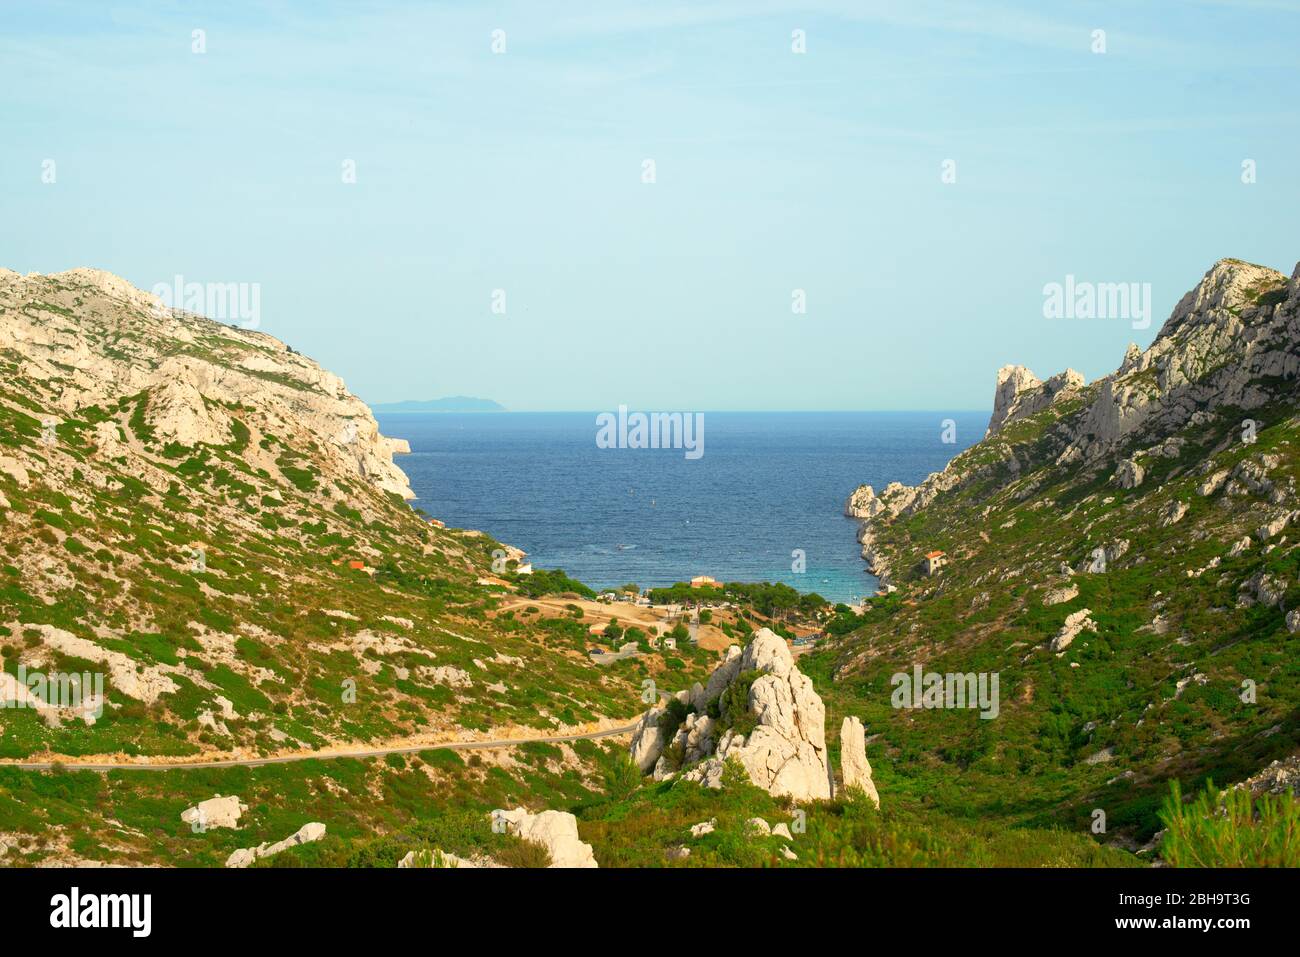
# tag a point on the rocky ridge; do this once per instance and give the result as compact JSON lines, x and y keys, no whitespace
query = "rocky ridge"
{"x":1125,"y":549}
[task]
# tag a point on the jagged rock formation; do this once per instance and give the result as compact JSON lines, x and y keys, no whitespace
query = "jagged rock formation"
{"x":1020,"y":394}
{"x":557,"y":831}
{"x":785,"y":750}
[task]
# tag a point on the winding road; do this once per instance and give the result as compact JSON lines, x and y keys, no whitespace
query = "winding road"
{"x":316,"y":755}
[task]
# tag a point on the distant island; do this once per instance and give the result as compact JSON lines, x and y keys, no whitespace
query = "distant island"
{"x":455,"y":403}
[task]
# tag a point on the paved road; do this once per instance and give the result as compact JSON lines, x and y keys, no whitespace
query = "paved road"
{"x":321,"y":755}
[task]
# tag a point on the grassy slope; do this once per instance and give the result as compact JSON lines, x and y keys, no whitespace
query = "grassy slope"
{"x":1113,"y":695}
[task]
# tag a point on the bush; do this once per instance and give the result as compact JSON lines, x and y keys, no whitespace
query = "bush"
{"x":674,"y":717}
{"x":521,"y":853}
{"x":1230,"y":829}
{"x":732,"y":707}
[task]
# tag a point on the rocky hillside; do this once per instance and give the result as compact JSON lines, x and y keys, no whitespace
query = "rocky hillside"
{"x":1123,"y":554}
{"x":215,"y":524}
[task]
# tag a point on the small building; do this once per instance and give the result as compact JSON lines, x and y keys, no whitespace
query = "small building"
{"x":524,"y":569}
{"x":670,"y":644}
{"x":703,"y":581}
{"x":934,"y":561}
{"x":356,"y":563}
{"x":438,"y":522}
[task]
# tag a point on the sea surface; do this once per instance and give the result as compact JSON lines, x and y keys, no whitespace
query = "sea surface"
{"x":767,"y":484}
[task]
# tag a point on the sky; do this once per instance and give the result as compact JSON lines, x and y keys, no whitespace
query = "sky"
{"x":914,"y":178}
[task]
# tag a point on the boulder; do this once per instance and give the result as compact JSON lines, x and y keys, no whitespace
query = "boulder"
{"x":1061,"y":594}
{"x":242,"y":857}
{"x":704,"y":827}
{"x":215,"y":812}
{"x":1173,"y":513}
{"x":1129,"y":474}
{"x":557,"y":831}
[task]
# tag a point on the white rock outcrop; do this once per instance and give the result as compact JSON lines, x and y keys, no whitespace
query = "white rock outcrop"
{"x":557,"y":831}
{"x":854,"y":767}
{"x":1075,"y":624}
{"x":215,"y":812}
{"x":1061,"y":594}
{"x":304,"y":835}
{"x":785,"y":753}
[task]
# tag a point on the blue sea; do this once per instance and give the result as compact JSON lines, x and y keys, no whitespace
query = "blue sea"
{"x":768,"y":484}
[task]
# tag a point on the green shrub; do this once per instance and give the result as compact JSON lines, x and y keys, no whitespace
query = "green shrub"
{"x":1230,"y":829}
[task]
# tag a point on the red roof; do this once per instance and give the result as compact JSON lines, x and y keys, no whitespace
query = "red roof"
{"x":934,"y":554}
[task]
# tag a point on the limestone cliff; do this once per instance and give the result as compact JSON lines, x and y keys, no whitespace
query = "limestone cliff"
{"x":86,"y":337}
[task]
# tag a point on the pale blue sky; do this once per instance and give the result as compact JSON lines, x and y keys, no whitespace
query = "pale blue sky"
{"x":775,"y":171}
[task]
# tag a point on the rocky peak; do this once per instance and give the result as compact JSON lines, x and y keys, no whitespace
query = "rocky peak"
{"x":1226,"y":289}
{"x":1019,"y":393}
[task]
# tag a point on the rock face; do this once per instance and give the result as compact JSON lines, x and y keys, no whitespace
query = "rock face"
{"x":557,"y":831}
{"x":784,"y":753}
{"x":192,"y":369}
{"x":214,"y":812}
{"x":854,"y":767}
